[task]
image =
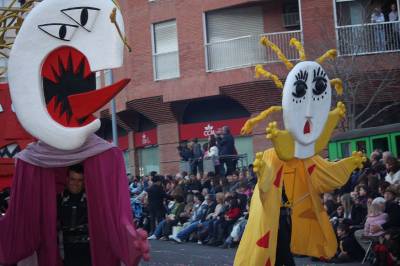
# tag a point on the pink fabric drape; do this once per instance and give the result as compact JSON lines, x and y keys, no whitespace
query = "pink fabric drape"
{"x":30,"y":222}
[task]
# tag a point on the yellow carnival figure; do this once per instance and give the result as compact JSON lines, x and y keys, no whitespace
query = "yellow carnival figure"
{"x":294,"y":164}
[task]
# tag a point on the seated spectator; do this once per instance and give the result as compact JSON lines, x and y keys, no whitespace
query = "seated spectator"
{"x":251,"y":176}
{"x":376,"y":216}
{"x":392,"y":208}
{"x":215,"y":186}
{"x":196,"y":220}
{"x":238,"y":229}
{"x":220,"y":229}
{"x":187,"y":211}
{"x":164,"y":228}
{"x":393,"y":171}
{"x":349,"y":249}
{"x":241,"y":196}
{"x":384,"y":252}
{"x":211,"y":217}
{"x":194,"y":185}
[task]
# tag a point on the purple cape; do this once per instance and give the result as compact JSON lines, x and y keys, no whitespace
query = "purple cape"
{"x":29,"y":225}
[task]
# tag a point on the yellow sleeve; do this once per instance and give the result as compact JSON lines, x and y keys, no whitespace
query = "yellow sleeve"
{"x":327,"y":176}
{"x":266,"y":175}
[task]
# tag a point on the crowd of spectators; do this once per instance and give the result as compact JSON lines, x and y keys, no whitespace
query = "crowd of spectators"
{"x":213,"y":209}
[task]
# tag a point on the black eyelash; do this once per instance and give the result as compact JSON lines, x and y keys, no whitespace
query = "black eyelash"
{"x":302,"y":75}
{"x":319,"y":74}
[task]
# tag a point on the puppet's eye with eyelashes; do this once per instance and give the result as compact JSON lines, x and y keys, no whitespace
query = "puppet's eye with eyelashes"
{"x":300,"y":85}
{"x":300,"y":89}
{"x":320,"y":85}
{"x":83,"y":16}
{"x":59,"y":31}
{"x":320,"y":81}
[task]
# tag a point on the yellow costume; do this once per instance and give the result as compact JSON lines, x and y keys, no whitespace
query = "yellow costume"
{"x":304,"y":177}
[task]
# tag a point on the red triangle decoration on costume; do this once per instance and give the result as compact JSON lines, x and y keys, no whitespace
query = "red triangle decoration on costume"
{"x":277,"y":181}
{"x":311,"y":169}
{"x":268,"y":263}
{"x":264,"y":241}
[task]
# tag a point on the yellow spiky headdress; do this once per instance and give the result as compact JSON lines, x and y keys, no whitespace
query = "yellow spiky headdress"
{"x":260,"y":71}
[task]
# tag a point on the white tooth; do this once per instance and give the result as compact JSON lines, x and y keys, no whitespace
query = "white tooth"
{"x":12,"y":147}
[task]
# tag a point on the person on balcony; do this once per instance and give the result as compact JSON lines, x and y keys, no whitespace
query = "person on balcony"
{"x":394,"y":17}
{"x":379,"y":30}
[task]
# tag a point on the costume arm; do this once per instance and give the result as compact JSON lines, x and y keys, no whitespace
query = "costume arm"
{"x":328,"y":176}
{"x":250,"y":124}
{"x":263,"y":167}
{"x":282,"y":141}
{"x":334,"y":118}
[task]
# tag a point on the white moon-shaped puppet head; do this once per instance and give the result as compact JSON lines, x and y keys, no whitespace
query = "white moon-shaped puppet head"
{"x":52,"y":66}
{"x":306,"y":102}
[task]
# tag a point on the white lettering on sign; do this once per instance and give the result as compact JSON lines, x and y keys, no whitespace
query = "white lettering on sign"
{"x":208,"y":130}
{"x":145,"y":139}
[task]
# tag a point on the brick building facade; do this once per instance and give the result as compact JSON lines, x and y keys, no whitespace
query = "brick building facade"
{"x":210,"y":64}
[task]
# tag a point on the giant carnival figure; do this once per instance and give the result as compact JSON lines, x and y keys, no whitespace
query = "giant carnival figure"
{"x":292,"y":175}
{"x":52,"y":79}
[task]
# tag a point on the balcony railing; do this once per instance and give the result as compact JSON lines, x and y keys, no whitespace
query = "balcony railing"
{"x":369,"y":38}
{"x":247,"y":50}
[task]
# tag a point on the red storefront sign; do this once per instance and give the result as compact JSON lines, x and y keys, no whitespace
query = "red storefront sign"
{"x":145,"y":138}
{"x":204,"y":129}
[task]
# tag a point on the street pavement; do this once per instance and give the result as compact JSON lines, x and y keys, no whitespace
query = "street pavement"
{"x":169,"y":253}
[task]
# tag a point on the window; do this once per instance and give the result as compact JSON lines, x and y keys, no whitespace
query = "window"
{"x":165,"y":50}
{"x":232,"y":37}
{"x":381,"y":143}
{"x":346,"y":149}
{"x":291,"y":16}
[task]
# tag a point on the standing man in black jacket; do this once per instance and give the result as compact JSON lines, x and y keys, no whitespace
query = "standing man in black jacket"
{"x":197,"y":162}
{"x":156,"y":195}
{"x":226,"y":147}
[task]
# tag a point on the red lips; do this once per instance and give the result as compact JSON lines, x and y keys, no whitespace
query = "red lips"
{"x":69,"y":88}
{"x":307,"y":127}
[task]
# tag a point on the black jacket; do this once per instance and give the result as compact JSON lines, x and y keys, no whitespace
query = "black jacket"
{"x":392,"y":208}
{"x":226,"y":145}
{"x":156,"y":196}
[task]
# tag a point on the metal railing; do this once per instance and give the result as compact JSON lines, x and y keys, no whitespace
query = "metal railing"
{"x":166,"y":65}
{"x":242,"y":163}
{"x":368,"y":38}
{"x":246,"y":51}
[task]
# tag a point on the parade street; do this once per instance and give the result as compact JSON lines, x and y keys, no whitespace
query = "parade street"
{"x":170,"y":253}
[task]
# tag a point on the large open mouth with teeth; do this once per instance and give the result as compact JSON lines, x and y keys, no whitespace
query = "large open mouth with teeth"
{"x":69,"y":88}
{"x":9,"y":151}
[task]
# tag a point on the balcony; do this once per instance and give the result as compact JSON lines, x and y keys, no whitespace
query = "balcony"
{"x":247,"y":51}
{"x":368,"y":38}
